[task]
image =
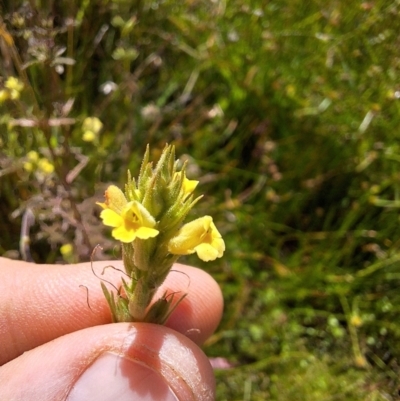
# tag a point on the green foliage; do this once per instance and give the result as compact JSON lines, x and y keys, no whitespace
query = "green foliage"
{"x":289,"y":111}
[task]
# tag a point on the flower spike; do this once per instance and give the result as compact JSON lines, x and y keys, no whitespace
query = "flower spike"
{"x":148,"y":221}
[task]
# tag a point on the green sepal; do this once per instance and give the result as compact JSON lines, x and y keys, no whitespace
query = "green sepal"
{"x":119,"y":309}
{"x":162,"y":309}
{"x":128,"y":253}
{"x":131,"y":189}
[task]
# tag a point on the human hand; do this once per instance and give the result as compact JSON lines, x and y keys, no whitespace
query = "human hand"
{"x":54,"y":347}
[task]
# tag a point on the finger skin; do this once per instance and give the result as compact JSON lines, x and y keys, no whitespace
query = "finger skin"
{"x":49,"y":372}
{"x":39,"y":303}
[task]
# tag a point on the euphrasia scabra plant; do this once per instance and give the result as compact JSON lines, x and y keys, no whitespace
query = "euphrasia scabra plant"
{"x":148,"y":219}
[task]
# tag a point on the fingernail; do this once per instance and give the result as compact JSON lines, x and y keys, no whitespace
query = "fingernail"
{"x":114,"y":377}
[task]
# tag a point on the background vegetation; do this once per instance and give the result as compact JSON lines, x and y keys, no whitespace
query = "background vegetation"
{"x":289,"y":113}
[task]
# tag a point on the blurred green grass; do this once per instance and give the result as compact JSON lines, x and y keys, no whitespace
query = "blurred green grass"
{"x":289,"y":113}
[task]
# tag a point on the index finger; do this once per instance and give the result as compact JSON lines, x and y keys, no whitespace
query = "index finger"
{"x":39,"y":303}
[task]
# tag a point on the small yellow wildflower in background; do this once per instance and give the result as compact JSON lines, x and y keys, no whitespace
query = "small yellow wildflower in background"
{"x":66,"y":249}
{"x":148,"y":220}
{"x":356,"y":320}
{"x":15,"y":86}
{"x":34,"y":162}
{"x":91,"y":127}
{"x":67,"y":252}
{"x":45,"y":166}
{"x":28,"y":166}
{"x":12,"y":89}
{"x":32,"y":158}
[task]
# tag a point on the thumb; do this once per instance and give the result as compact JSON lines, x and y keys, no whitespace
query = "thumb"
{"x":117,"y":361}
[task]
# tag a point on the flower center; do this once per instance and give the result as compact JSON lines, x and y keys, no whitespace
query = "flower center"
{"x":131,"y":219}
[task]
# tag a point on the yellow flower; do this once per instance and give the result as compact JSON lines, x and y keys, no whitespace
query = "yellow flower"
{"x":91,"y":126}
{"x":45,"y":166}
{"x":28,"y":166}
{"x":89,"y":136}
{"x":32,"y":156}
{"x":15,"y":86}
{"x":14,"y":83}
{"x":356,"y":321}
{"x":130,"y":220}
{"x":189,"y":186}
{"x":66,"y":249}
{"x":200,"y":236}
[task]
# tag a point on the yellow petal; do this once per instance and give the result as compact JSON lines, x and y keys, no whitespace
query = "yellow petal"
{"x":32,"y":156}
{"x":146,"y":232}
{"x":127,"y":235}
{"x":122,"y":234}
{"x":89,"y":136}
{"x":92,"y":124}
{"x":219,"y":245}
{"x":115,"y":199}
{"x":189,"y":185}
{"x":178,"y":246}
{"x":14,"y":84}
{"x":206,"y":252}
{"x":28,"y":166}
{"x":45,"y":166}
{"x":111,"y":218}
{"x":188,"y":237}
